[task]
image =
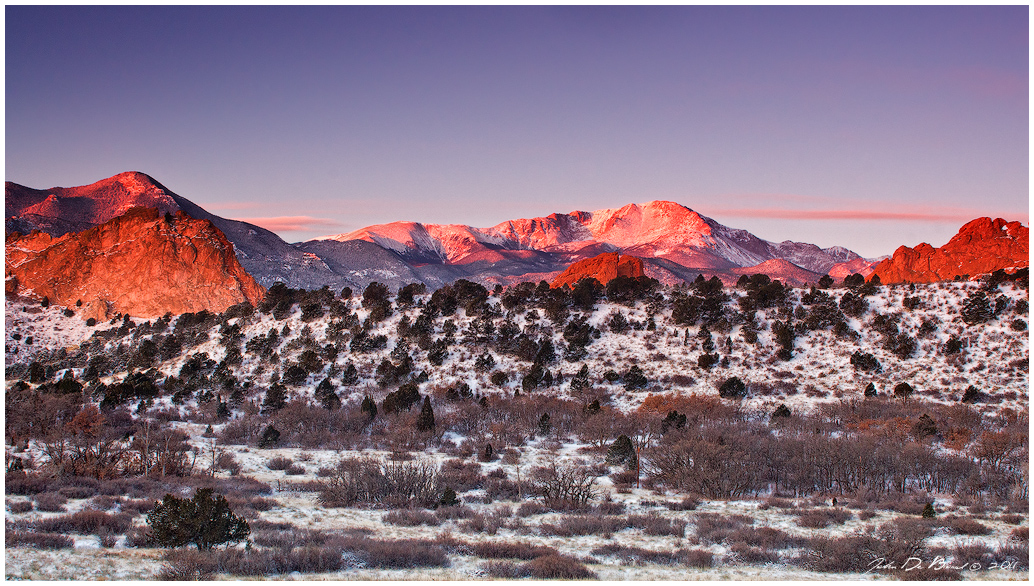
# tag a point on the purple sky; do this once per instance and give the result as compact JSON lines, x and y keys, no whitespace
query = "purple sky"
{"x":866,"y":127}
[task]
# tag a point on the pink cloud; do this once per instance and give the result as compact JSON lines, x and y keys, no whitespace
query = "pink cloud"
{"x":944,"y":215}
{"x":293,"y":223}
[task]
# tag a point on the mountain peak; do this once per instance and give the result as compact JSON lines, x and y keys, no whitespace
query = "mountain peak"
{"x":981,"y":246}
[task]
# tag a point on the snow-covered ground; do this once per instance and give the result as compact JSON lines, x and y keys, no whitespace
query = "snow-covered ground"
{"x":994,"y":358}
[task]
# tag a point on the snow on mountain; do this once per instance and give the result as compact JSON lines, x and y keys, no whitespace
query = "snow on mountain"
{"x":657,"y":229}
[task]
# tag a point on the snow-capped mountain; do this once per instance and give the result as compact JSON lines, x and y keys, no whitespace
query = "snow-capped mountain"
{"x":657,"y":229}
{"x":675,"y":242}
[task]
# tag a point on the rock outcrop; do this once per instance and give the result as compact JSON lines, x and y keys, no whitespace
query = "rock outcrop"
{"x":604,"y":268}
{"x":981,"y":246}
{"x":143,"y":263}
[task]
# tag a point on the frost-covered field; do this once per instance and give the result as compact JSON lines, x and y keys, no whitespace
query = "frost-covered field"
{"x":300,"y":509}
{"x":508,"y":402}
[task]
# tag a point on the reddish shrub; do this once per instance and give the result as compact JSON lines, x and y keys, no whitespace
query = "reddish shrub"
{"x":557,"y":567}
{"x":510,"y":550}
{"x":86,"y":522}
{"x":37,"y":540}
{"x":696,"y":558}
{"x":279,"y":463}
{"x":20,"y":506}
{"x":654,"y":524}
{"x":820,"y":518}
{"x":529,"y":508}
{"x":188,"y":564}
{"x":411,"y":518}
{"x":51,"y":502}
{"x":584,"y":525}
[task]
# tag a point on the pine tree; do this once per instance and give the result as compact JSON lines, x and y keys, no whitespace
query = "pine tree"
{"x":276,"y":398}
{"x":369,"y":407}
{"x":270,"y":437}
{"x":204,"y":521}
{"x":425,"y":422}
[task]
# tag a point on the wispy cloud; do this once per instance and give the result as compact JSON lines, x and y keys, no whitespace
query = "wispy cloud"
{"x":293,"y":223}
{"x":934,"y":215}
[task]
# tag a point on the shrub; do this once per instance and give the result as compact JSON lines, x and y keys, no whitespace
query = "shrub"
{"x":765,"y":538}
{"x":51,"y":502}
{"x":557,"y":567}
{"x":404,"y":553}
{"x":750,"y":554}
{"x":865,"y":362}
{"x":279,"y":463}
{"x":966,"y":526}
{"x":510,"y":550}
{"x":411,"y":518}
{"x":696,"y":558}
{"x":185,"y":564}
{"x":654,"y":524}
{"x":503,"y":570}
{"x":716,"y":528}
{"x":637,"y":555}
{"x":732,"y":388}
{"x":820,"y":518}
{"x":204,"y":521}
{"x":37,"y":540}
{"x":20,"y":506}
{"x":87,"y":521}
{"x":529,"y":508}
{"x":295,"y":470}
{"x":365,"y":480}
{"x":584,"y":525}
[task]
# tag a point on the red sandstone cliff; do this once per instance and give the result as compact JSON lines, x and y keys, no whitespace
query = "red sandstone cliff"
{"x":603,"y":268}
{"x":142,"y":263}
{"x":981,"y":246}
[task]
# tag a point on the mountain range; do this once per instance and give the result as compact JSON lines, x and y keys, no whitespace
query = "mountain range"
{"x":675,"y":242}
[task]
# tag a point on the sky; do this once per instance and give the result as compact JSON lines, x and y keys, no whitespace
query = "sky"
{"x":865,"y":127}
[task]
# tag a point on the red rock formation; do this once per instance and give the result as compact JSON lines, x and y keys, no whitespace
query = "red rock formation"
{"x":603,"y":268}
{"x":143,"y":263}
{"x":981,"y":246}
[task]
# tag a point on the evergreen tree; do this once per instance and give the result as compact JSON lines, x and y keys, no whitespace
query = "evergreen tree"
{"x":204,"y":521}
{"x":870,"y":390}
{"x":276,"y":398}
{"x":350,"y":376}
{"x":425,"y":422}
{"x":635,"y":379}
{"x":369,"y":407}
{"x":545,"y":425}
{"x":270,"y":437}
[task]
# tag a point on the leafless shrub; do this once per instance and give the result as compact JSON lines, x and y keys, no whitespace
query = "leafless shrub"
{"x":1012,"y":519}
{"x":86,"y":522}
{"x":584,"y":525}
{"x":820,"y":518}
{"x":1020,"y":553}
{"x":77,"y":492}
{"x":749,"y":554}
{"x":279,"y":463}
{"x":324,"y":472}
{"x":262,"y":562}
{"x":778,"y":503}
{"x":366,"y":480}
{"x":503,"y":570}
{"x":716,"y":528}
{"x":529,"y":508}
{"x":404,"y":553}
{"x":37,"y":540}
{"x":696,"y":558}
{"x":654,"y":524}
{"x":51,"y":502}
{"x":609,"y":507}
{"x":564,"y":486}
{"x":637,"y":555}
{"x":411,"y":518}
{"x":1020,"y":534}
{"x":557,"y":567}
{"x":188,"y":564}
{"x":454,"y":512}
{"x":26,"y":484}
{"x":462,"y":476}
{"x":20,"y":506}
{"x":136,"y":507}
{"x":295,"y":470}
{"x":965,"y":526}
{"x":509,"y":550}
